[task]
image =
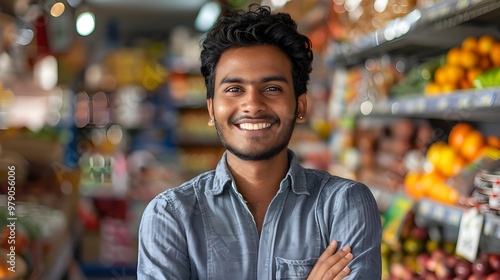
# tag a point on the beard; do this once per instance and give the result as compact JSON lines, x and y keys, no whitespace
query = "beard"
{"x":250,"y":154}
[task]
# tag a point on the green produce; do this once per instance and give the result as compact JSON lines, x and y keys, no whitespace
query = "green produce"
{"x":416,"y":79}
{"x":490,"y":78}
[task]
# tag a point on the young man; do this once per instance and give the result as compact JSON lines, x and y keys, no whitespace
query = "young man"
{"x":259,"y":214}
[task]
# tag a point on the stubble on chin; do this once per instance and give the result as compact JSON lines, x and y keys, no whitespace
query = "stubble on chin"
{"x":250,"y":154}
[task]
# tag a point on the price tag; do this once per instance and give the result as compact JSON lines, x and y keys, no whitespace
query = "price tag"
{"x":469,"y":234}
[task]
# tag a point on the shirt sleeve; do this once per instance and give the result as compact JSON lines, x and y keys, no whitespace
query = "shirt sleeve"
{"x":357,"y":223}
{"x":162,"y":252}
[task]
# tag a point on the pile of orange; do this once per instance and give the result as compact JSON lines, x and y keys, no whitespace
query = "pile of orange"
{"x":465,"y":145}
{"x":464,"y":63}
{"x":432,"y":185}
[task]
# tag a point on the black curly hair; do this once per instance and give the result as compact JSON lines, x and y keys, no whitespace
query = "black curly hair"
{"x":257,"y":26}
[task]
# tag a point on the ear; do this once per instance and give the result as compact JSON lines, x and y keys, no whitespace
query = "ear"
{"x":210,"y":108}
{"x":301,"y":108}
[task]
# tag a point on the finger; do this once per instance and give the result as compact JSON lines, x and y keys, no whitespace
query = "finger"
{"x":330,"y":267}
{"x":339,"y":269}
{"x":329,"y":251}
{"x":337,"y":257}
{"x":343,"y":273}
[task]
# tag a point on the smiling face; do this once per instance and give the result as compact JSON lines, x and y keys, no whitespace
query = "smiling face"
{"x":254,"y":106}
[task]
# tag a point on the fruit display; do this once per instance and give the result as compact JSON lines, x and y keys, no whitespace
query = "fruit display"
{"x":465,"y":64}
{"x":417,"y":79}
{"x":428,"y":252}
{"x":425,"y":140}
{"x":465,"y":147}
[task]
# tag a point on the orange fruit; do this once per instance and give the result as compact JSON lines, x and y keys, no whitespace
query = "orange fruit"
{"x":472,"y":73}
{"x":444,"y":193}
{"x":449,"y":87}
{"x":432,"y":89}
{"x":446,"y":161}
{"x":464,"y":84}
{"x":468,"y":59}
{"x":452,"y":196}
{"x":473,"y":142}
{"x":495,"y":54}
{"x":455,"y":73}
{"x":470,"y":44}
{"x":485,"y":44}
{"x":484,"y":63}
{"x":457,"y":135}
{"x":493,"y":141}
{"x":441,"y":75}
{"x":458,"y":165}
{"x":453,"y":56}
{"x":429,"y":181}
{"x":412,"y":185}
{"x":434,"y":152}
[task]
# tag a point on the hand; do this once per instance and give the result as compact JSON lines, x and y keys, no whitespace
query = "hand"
{"x":331,"y":265}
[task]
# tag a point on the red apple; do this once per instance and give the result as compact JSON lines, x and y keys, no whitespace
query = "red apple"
{"x":493,"y":276}
{"x":451,"y":260}
{"x":481,"y":267}
{"x":419,"y":233}
{"x":443,"y":271}
{"x":463,"y":268}
{"x":494,"y":262}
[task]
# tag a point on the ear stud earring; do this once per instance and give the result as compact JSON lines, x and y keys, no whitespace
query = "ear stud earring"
{"x":211,"y":120}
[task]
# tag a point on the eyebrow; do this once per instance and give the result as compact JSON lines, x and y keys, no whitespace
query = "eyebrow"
{"x":266,"y":79}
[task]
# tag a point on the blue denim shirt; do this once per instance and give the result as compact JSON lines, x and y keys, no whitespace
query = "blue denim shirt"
{"x":204,"y":230}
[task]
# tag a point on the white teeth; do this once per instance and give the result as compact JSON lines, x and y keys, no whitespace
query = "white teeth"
{"x":254,"y":126}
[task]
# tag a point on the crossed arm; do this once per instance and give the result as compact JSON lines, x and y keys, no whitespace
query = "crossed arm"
{"x":331,"y":264}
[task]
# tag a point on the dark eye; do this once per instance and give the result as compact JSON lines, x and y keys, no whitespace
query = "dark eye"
{"x":233,"y":89}
{"x":272,"y":89}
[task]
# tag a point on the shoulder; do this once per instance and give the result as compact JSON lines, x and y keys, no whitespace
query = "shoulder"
{"x":333,"y":183}
{"x":337,"y":189}
{"x":183,"y":198}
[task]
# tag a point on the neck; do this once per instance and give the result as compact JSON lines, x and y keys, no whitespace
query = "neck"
{"x":258,"y":181}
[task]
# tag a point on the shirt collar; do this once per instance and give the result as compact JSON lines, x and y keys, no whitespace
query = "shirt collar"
{"x":295,"y":176}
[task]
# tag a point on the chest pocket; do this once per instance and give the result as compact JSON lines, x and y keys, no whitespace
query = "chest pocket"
{"x":293,"y":269}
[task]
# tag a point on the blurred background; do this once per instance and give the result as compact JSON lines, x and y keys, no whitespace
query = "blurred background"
{"x":102,"y":107}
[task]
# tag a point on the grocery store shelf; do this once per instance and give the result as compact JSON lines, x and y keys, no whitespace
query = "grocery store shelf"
{"x":448,"y":217}
{"x":421,"y":30}
{"x":431,"y":212}
{"x":479,"y":105}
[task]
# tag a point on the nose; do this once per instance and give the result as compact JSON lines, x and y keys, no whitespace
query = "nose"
{"x":254,"y":102}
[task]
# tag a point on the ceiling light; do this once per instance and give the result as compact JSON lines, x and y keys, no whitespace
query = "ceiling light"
{"x":25,"y":36}
{"x":57,"y":9}
{"x":45,"y":72}
{"x":207,"y":16}
{"x":85,"y":23}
